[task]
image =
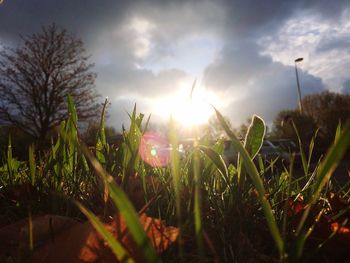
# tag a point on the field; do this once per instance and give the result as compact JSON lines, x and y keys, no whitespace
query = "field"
{"x":178,"y":207}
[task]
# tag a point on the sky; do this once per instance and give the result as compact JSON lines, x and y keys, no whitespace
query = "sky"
{"x":240,"y":52}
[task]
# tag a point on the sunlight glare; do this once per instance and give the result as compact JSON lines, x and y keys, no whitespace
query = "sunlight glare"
{"x":184,"y":110}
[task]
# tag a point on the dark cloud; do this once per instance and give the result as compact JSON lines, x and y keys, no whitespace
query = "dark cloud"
{"x":238,"y":62}
{"x":117,"y":81}
{"x":249,"y":19}
{"x":257,"y":84}
{"x":82,"y":17}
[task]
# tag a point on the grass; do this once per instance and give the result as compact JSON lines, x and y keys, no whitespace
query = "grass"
{"x":224,"y":212}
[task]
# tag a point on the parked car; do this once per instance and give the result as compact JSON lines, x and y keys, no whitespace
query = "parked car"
{"x":289,"y":147}
{"x":269,"y":151}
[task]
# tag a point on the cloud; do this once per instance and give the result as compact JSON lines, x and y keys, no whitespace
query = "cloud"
{"x":256,"y":83}
{"x":255,"y":69}
{"x":155,"y":50}
{"x":83,"y":18}
{"x":324,"y":44}
{"x":242,"y":50}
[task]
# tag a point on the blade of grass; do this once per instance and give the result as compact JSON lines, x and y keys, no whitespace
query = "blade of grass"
{"x":121,"y":201}
{"x":254,"y":174}
{"x":218,"y":161}
{"x":301,"y":150}
{"x":101,"y":143}
{"x":126,"y":210}
{"x":175,"y":172}
{"x":197,"y":200}
{"x":118,"y":250}
{"x":311,"y":147}
{"x":32,"y":164}
{"x":324,"y":173}
{"x":255,"y":136}
{"x":328,"y":165}
{"x":252,"y":143}
{"x":130,"y":216}
{"x":288,"y":193}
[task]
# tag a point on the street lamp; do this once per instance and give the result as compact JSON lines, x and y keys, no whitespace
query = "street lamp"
{"x":298,"y":84}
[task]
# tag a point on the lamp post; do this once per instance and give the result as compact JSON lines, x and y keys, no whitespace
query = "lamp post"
{"x":298,"y":84}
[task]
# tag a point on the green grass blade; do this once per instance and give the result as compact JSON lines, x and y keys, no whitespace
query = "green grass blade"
{"x":255,"y":136}
{"x":120,"y":199}
{"x":324,"y":173}
{"x":101,"y":142}
{"x":125,"y":208}
{"x":9,"y":161}
{"x":311,"y":147}
{"x":118,"y":250}
{"x":330,"y":162}
{"x":217,"y":160}
{"x":197,"y":201}
{"x":301,"y":150}
{"x":32,"y":164}
{"x":254,"y":174}
{"x":130,"y":216}
{"x":147,"y":123}
{"x":72,"y":111}
{"x":175,"y":172}
{"x":337,"y":132}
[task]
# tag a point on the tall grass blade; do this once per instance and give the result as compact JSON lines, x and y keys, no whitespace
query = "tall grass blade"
{"x":32,"y":164}
{"x":119,"y":198}
{"x":118,"y":250}
{"x":9,"y":161}
{"x":218,"y":161}
{"x":337,"y":132}
{"x":175,"y":172}
{"x":254,"y":175}
{"x":101,"y":150}
{"x":130,"y":216}
{"x":255,"y":136}
{"x":311,"y":147}
{"x":125,"y":208}
{"x":253,"y":141}
{"x":197,"y":201}
{"x":323,"y":175}
{"x":330,"y":162}
{"x":301,"y":150}
{"x":101,"y":142}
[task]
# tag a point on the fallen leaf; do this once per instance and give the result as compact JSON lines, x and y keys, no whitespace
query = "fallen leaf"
{"x":295,"y":207}
{"x":335,"y":227}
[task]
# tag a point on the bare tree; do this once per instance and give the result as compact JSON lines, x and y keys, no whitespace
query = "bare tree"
{"x":36,"y":78}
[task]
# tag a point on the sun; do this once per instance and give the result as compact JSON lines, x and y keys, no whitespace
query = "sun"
{"x":185,"y":109}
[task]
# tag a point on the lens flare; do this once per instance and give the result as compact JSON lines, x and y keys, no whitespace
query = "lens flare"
{"x":154,"y":149}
